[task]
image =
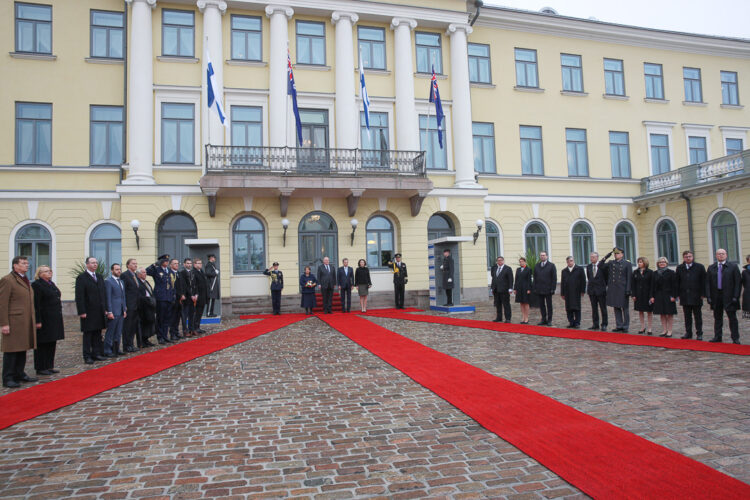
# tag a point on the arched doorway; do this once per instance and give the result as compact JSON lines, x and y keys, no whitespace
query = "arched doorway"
{"x":318,"y":238}
{"x":174,"y":229}
{"x":439,"y":226}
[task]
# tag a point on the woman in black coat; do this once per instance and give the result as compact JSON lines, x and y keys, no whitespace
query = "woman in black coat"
{"x":308,"y":283}
{"x":522,"y":289}
{"x":363,"y":283}
{"x":642,"y":279}
{"x":664,"y":294}
{"x":48,"y":309}
{"x":746,"y":285}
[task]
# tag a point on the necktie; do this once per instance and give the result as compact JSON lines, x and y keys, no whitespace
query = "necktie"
{"x":720,"y":275}
{"x":543,"y":263}
{"x":498,"y":272}
{"x":93,"y":276}
{"x":119,"y":282}
{"x":327,"y":270}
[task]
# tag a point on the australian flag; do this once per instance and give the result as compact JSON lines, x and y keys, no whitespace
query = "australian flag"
{"x":291,"y":89}
{"x":435,"y":97}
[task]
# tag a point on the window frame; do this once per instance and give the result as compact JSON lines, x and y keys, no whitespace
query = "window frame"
{"x":692,"y":81}
{"x":179,"y":28}
{"x":579,"y":242}
{"x":577,"y":143}
{"x":109,"y":241}
{"x":693,"y":150}
{"x":429,"y":48}
{"x":479,"y":58}
{"x":620,"y":72}
{"x":378,"y":241}
{"x":572,"y":70}
{"x":33,"y":264}
{"x":108,"y":123}
{"x":245,"y":33}
{"x":235,"y":232}
{"x":726,"y":145}
{"x":370,"y":43}
{"x":632,"y":234}
{"x":654,"y":78}
{"x":431,"y":139}
{"x":532,"y":141}
{"x":732,"y":85}
{"x":35,"y":23}
{"x":492,"y":260}
{"x":35,"y":121}
{"x":525,"y":66}
{"x":108,"y":29}
{"x":177,"y":148}
{"x":712,"y":227}
{"x":536,"y":236}
{"x":484,"y":139}
{"x":667,"y":240}
{"x":619,"y":146}
{"x":309,"y":38}
{"x":657,"y":158}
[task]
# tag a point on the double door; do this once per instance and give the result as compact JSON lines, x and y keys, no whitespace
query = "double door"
{"x":314,"y":246}
{"x":313,"y":156}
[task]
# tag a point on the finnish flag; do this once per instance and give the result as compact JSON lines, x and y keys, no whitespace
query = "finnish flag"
{"x":214,"y":100}
{"x":363,"y":92}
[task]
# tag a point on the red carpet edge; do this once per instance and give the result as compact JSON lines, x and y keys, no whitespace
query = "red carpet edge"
{"x":599,"y":458}
{"x":383,"y":310}
{"x":37,"y":400}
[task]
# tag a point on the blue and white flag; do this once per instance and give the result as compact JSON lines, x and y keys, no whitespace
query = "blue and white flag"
{"x":291,"y":89}
{"x":214,"y":100}
{"x":435,"y":97}
{"x":363,"y":92}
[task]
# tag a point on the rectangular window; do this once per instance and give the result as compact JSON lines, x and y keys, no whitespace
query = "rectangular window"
{"x":614,"y":77}
{"x":247,"y":134}
{"x":177,"y":33}
{"x":106,"y":135}
{"x":572,"y":74}
{"x":33,"y":28}
{"x":429,"y":53}
{"x":435,"y":156}
{"x":659,"y":154}
{"x":578,"y":158}
{"x":479,"y":63}
{"x":734,"y":146}
{"x":372,"y":47}
{"x":729,"y":93}
{"x":177,"y":133}
{"x":374,"y":141}
{"x":654,"y":80}
{"x":33,"y":133}
{"x":107,"y":34}
{"x":526,"y":70}
{"x":484,"y":147}
{"x":697,"y":146}
{"x":692,"y":77}
{"x":619,"y":153}
{"x":311,"y":43}
{"x":246,"y":38}
{"x":532,"y":162}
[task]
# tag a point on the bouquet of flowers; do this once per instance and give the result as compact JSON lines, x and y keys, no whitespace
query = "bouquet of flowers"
{"x":310,"y":284}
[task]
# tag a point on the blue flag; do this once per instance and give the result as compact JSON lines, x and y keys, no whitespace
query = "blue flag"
{"x":435,"y":97}
{"x":214,"y":101}
{"x":291,"y":89}
{"x":363,"y":92}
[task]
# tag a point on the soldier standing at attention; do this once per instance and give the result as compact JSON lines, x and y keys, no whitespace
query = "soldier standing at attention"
{"x":400,"y":278}
{"x":277,"y":284}
{"x":619,"y":286}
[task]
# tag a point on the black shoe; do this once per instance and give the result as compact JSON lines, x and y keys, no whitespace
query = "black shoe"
{"x":735,"y":341}
{"x":603,"y":328}
{"x":687,"y":336}
{"x":44,"y":372}
{"x":106,"y":355}
{"x":100,"y":358}
{"x":130,"y":349}
{"x":200,"y":330}
{"x":26,"y":378}
{"x":148,"y":344}
{"x":12,"y":384}
{"x":497,"y":320}
{"x":651,"y":333}
{"x":715,"y":339}
{"x":542,"y":323}
{"x":641,"y":332}
{"x":614,"y":330}
{"x":593,"y":327}
{"x":52,"y":370}
{"x":699,"y":337}
{"x":88,"y":361}
{"x":120,"y":353}
{"x":168,"y":341}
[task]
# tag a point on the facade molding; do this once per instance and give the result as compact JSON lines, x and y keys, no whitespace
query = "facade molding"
{"x":159,"y":190}
{"x":59,"y":195}
{"x":522,"y":198}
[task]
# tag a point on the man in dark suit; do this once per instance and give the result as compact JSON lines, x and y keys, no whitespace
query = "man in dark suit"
{"x":165,"y":297}
{"x":723,"y":284}
{"x":214,"y":288}
{"x":572,"y":289}
{"x":447,"y":267}
{"x":345,"y":279}
{"x":327,"y":280}
{"x":596,"y":288}
{"x":502,"y":286}
{"x":691,"y":287}
{"x":116,"y":311}
{"x":201,"y":291}
{"x":176,"y":316}
{"x":146,"y":308}
{"x":91,"y":303}
{"x":545,"y":283}
{"x":130,"y":325}
{"x":186,"y":296}
{"x":400,"y":279}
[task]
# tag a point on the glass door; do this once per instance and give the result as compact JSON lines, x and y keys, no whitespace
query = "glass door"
{"x":313,"y":156}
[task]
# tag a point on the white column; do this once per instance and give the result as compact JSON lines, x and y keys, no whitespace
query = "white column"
{"x":463,"y":141}
{"x":346,"y":108}
{"x":277,"y":77}
{"x":141,"y":95}
{"x":213,"y":130}
{"x":407,"y":123}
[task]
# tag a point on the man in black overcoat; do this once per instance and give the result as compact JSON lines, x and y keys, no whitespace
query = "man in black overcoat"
{"x":545,"y":283}
{"x":201,"y":290}
{"x":327,"y":280}
{"x":165,"y":296}
{"x":186,"y":295}
{"x":91,"y":304}
{"x":146,"y":308}
{"x":130,"y":325}
{"x":572,"y":289}
{"x":502,"y":286}
{"x":619,"y":288}
{"x":447,"y":268}
{"x":723,"y":284}
{"x":691,"y":287}
{"x":596,"y":288}
{"x":345,"y":280}
{"x":400,"y":278}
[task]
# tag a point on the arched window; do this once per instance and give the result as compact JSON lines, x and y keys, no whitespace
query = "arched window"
{"x":174,"y":229}
{"x":666,"y":241}
{"x":536,"y":238}
{"x":380,"y":242}
{"x":724,"y":234}
{"x":493,"y":243}
{"x":249,"y":245}
{"x":106,"y":244}
{"x":439,"y":226}
{"x":583,"y":242}
{"x":35,"y":242}
{"x":625,"y":239}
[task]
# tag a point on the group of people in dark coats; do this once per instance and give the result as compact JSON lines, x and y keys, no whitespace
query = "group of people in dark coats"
{"x":329,"y":277}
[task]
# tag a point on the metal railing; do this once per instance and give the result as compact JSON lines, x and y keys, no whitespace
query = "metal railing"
{"x":698,"y":174}
{"x":313,"y":161}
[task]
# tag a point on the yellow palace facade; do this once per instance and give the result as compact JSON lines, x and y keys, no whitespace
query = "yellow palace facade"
{"x":561,"y":134}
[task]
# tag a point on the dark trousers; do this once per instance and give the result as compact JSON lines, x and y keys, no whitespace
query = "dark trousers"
{"x":163,"y":318}
{"x":622,"y":317}
{"x":327,"y":299}
{"x":13,"y":364}
{"x":146,"y":327}
{"x":176,"y":318}
{"x":199,"y":307}
{"x":448,"y":296}
{"x":690,"y":313}
{"x":719,"y":311}
{"x":130,"y":328}
{"x":599,"y":303}
{"x":545,"y":307}
{"x":276,"y":301}
{"x":92,"y":344}
{"x":502,"y":305}
{"x":398,"y":291}
{"x":574,"y":316}
{"x":346,"y":299}
{"x":44,"y":355}
{"x":188,"y":316}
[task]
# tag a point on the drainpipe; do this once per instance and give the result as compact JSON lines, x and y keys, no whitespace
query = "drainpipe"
{"x":478,"y":4}
{"x":124,"y":87}
{"x":690,"y":220}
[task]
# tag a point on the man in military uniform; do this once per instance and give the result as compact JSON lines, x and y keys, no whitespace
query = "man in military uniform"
{"x":165,"y":296}
{"x":400,"y":278}
{"x":619,"y":282}
{"x":447,"y":276}
{"x":277,"y":284}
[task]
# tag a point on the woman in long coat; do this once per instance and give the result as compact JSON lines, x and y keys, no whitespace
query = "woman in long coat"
{"x":48,"y":309}
{"x":363,"y":282}
{"x":308,"y":283}
{"x":746,"y":285}
{"x":663,"y":295}
{"x":642,"y":278}
{"x":522,"y":289}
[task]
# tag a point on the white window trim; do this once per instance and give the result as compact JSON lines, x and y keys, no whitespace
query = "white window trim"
{"x":377,"y":106}
{"x":710,"y":233}
{"x":94,"y":225}
{"x":570,"y":234}
{"x":546,"y":228}
{"x":733,"y":133}
{"x":12,"y":245}
{"x":247,"y":99}
{"x":425,"y":107}
{"x":697,"y":130}
{"x":656,"y":237}
{"x":312,"y":101}
{"x":181,"y":95}
{"x":663,"y":128}
{"x":635,"y":234}
{"x":232,"y":222}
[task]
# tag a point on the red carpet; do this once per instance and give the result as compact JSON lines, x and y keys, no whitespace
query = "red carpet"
{"x":566,"y":333}
{"x":383,"y":310}
{"x":43,"y":398}
{"x":600,"y":459}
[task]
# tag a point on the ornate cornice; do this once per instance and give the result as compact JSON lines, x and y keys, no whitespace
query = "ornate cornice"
{"x":337,"y":15}
{"x":453,"y":28}
{"x":219,"y":4}
{"x":150,"y":3}
{"x":272,"y":9}
{"x":397,"y":21}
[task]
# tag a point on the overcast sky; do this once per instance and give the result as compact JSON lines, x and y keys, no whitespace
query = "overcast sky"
{"x":710,"y":17}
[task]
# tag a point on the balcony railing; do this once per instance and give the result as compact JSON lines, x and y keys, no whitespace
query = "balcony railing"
{"x":698,"y":174}
{"x":313,"y":161}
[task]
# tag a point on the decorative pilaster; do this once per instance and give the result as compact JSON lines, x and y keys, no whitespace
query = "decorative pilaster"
{"x":407,"y":124}
{"x":463,"y":142}
{"x":347,"y":125}
{"x":277,"y":76}
{"x":213,"y":130}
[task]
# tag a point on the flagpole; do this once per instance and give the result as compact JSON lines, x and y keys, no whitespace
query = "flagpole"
{"x":286,"y":108}
{"x":208,"y":114}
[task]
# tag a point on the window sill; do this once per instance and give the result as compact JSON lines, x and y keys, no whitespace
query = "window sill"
{"x":428,"y":76}
{"x":655,"y":100}
{"x":243,"y":62}
{"x":732,"y":106}
{"x":693,"y":103}
{"x":178,"y":59}
{"x":440,"y":171}
{"x":312,"y":67}
{"x":33,"y":55}
{"x":528,"y":89}
{"x":574,"y":93}
{"x":480,"y":85}
{"x":374,"y":71}
{"x":616,"y":97}
{"x":103,"y":60}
